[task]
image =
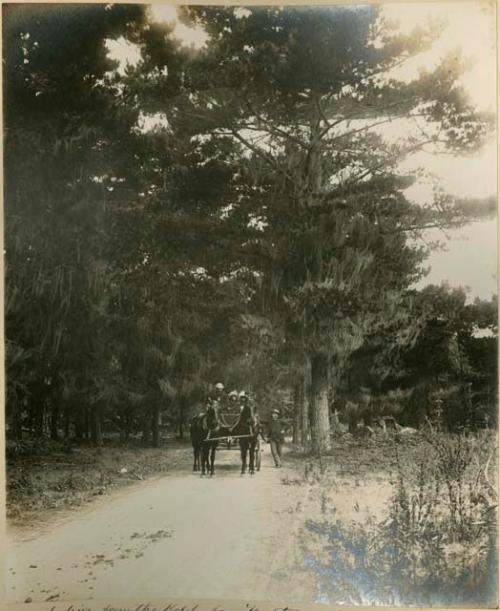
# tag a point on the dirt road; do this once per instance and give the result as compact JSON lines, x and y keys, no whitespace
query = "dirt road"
{"x":176,"y":536}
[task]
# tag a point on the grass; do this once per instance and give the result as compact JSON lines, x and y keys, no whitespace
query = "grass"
{"x":49,"y":476}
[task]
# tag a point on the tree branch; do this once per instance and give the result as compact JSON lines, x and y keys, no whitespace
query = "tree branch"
{"x":260,"y":153}
{"x":273,"y":129}
{"x":436,"y":225}
{"x":356,"y":115}
{"x":372,"y":125}
{"x":394,"y":159}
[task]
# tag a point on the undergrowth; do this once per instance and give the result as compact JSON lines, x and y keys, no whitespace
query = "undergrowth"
{"x":437,"y":544}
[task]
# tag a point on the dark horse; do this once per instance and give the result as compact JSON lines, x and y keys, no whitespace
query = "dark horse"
{"x":214,"y":430}
{"x":198,"y":431}
{"x":249,"y":427}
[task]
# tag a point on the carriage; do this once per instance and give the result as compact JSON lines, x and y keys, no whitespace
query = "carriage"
{"x":229,"y":420}
{"x":231,"y":442}
{"x":223,"y":429}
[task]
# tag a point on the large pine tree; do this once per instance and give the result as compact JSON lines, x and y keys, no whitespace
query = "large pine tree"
{"x":305,"y":94}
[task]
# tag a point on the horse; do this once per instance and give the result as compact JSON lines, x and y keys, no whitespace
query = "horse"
{"x":214,"y":428}
{"x":249,"y":425}
{"x":198,"y":431}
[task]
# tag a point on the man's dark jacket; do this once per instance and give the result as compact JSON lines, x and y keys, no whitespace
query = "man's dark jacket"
{"x":275,"y":431}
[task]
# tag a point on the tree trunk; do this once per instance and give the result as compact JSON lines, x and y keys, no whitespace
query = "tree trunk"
{"x":331,"y":386}
{"x":39,"y":418}
{"x":352,"y":414}
{"x":319,"y":410}
{"x":128,"y":426}
{"x":297,"y":411}
{"x":368,"y":412}
{"x":30,"y":421}
{"x":182,"y":403}
{"x":17,"y":422}
{"x":146,"y":428}
{"x":54,"y":419}
{"x":156,"y":426}
{"x":101,"y":419}
{"x":95,"y":428}
{"x":79,"y":423}
{"x":66,"y":419}
{"x":304,"y":405}
{"x":87,"y":423}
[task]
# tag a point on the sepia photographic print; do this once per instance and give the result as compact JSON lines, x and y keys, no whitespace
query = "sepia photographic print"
{"x":250,"y":306}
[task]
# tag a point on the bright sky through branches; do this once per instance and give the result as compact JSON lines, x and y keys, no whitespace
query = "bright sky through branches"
{"x":467,"y":28}
{"x":470,"y":258}
{"x":168,"y":14}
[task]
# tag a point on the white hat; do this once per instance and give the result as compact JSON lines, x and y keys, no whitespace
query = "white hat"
{"x":219,"y":386}
{"x":233,"y":393}
{"x":243,"y":394}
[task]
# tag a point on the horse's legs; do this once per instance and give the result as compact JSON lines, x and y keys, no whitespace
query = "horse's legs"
{"x":196,"y":452}
{"x":252,"y":456}
{"x":204,"y":458}
{"x":213,"y":447}
{"x":244,"y":450}
{"x":207,"y":458}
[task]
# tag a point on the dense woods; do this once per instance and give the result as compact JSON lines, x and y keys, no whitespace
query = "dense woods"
{"x":259,"y":235}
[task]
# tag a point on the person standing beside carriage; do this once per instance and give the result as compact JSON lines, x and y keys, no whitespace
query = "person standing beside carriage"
{"x":276,"y":436}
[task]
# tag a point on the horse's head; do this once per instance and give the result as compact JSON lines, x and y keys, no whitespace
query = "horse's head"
{"x":202,"y":420}
{"x":212,"y":416}
{"x":248,"y":415}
